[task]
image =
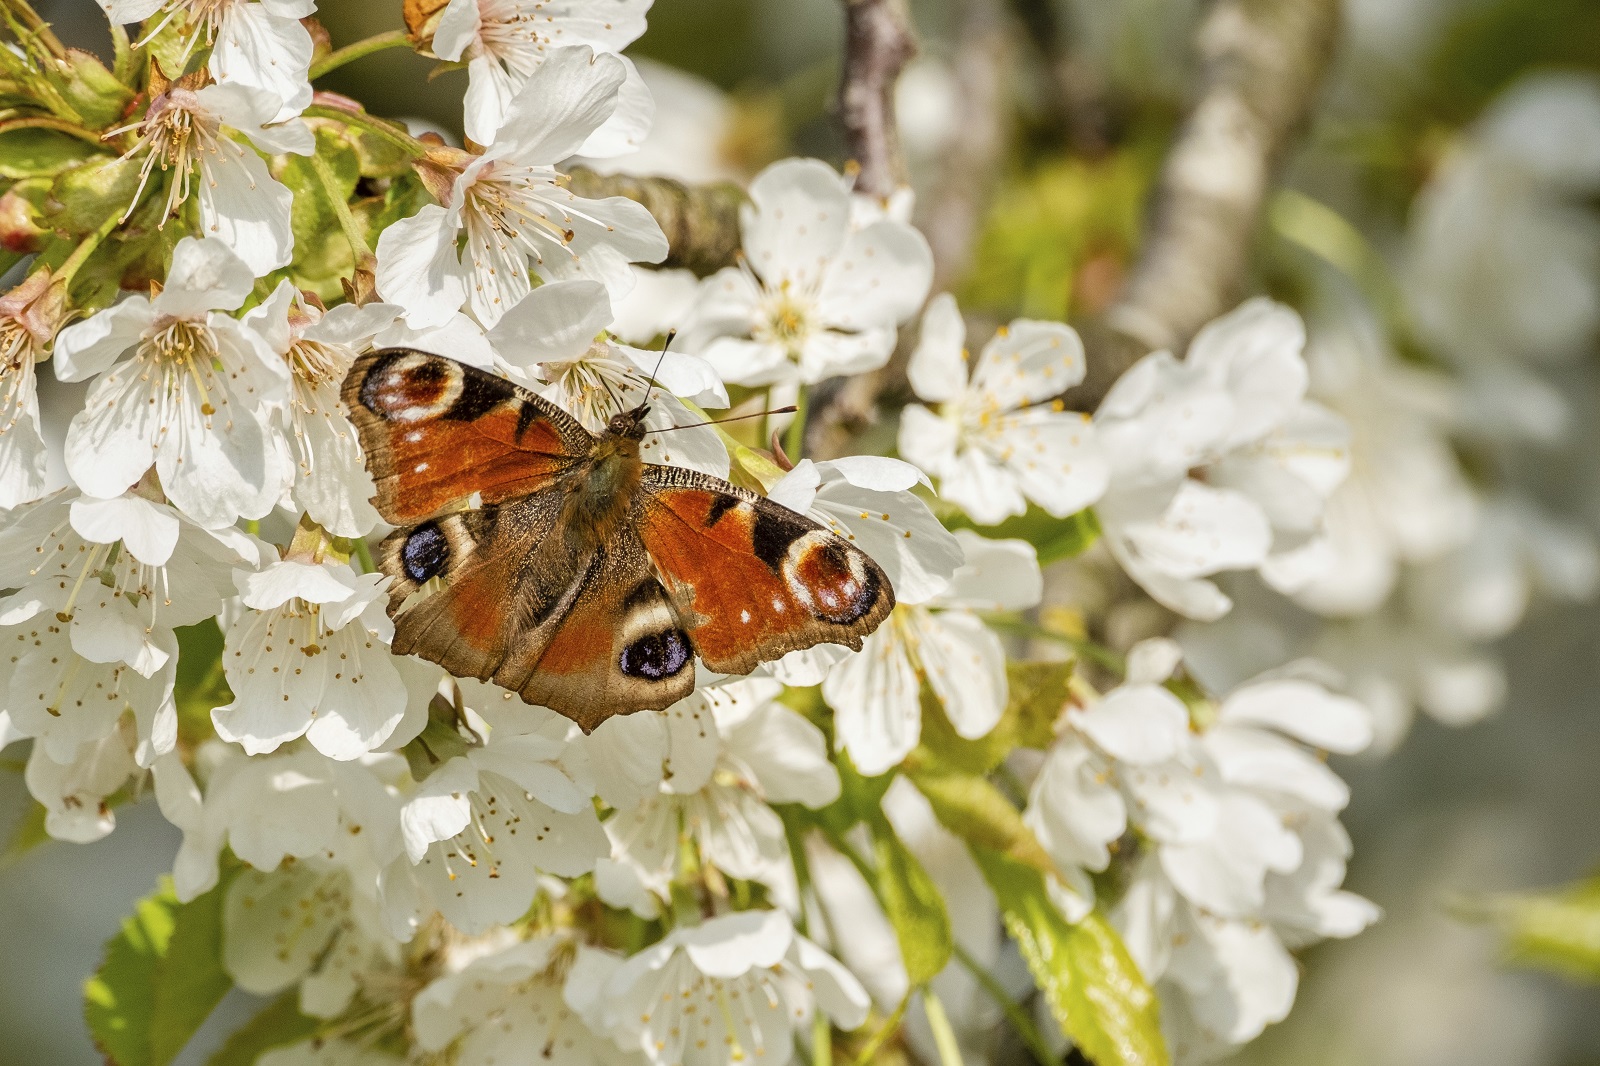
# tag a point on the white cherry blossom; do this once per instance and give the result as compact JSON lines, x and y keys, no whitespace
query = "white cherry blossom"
{"x":513,"y":1002}
{"x":765,"y":754}
{"x":193,"y":400}
{"x":997,"y":441}
{"x":813,"y":298}
{"x":504,"y":41}
{"x":694,"y":137}
{"x":64,"y":700}
{"x":1243,"y":855}
{"x":482,"y":828}
{"x":189,"y":135}
{"x":517,"y":216}
{"x":732,"y":989}
{"x":1407,"y":500}
{"x":120,"y":574}
{"x":258,"y":45}
{"x":74,"y":793}
{"x":310,"y":657}
{"x":1502,"y":248}
{"x":877,"y":694}
{"x":267,"y":809}
{"x":312,"y":923}
{"x":1236,"y":410}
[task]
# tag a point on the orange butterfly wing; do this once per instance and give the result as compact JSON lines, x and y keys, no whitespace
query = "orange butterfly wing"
{"x":750,"y":579}
{"x":435,"y":431}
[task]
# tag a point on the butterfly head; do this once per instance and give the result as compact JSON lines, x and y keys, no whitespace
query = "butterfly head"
{"x":628,"y":424}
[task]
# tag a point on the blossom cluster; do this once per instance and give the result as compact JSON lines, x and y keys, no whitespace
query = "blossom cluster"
{"x":435,"y":867}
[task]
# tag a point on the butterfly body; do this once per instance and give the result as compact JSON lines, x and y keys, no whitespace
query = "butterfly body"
{"x":587,"y":580}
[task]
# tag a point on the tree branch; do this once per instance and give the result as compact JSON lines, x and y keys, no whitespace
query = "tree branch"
{"x":952,"y":212}
{"x":878,"y":44}
{"x":701,"y":221}
{"x":1264,"y":62}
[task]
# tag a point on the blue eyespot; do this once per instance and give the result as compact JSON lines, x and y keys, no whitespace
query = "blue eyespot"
{"x":657,"y":656}
{"x":425,"y":552}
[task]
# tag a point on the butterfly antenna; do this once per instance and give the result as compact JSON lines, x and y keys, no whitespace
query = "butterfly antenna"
{"x":671,"y":335}
{"x":791,"y":409}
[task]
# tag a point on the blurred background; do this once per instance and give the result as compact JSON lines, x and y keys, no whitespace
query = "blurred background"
{"x":1035,"y":130}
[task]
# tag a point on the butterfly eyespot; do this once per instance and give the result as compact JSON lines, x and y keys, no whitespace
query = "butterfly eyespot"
{"x":425,"y":552}
{"x":834,"y":583}
{"x":411,"y":387}
{"x":657,"y":656}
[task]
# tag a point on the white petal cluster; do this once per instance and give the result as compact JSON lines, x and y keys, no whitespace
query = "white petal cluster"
{"x":815,"y":296}
{"x":310,"y":657}
{"x":999,"y":441}
{"x":518,"y":219}
{"x":733,"y":989}
{"x":1240,"y":854}
{"x":195,"y":398}
{"x":504,"y":41}
{"x":1219,"y":462}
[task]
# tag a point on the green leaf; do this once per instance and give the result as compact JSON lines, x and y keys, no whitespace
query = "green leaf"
{"x":913,"y":904}
{"x":1089,"y":980}
{"x":160,"y":979}
{"x":321,"y":252}
{"x":972,"y":808}
{"x":83,"y":196}
{"x":279,"y":1023}
{"x":1037,"y":693}
{"x":1557,"y":930}
{"x":28,"y":834}
{"x":32,"y":151}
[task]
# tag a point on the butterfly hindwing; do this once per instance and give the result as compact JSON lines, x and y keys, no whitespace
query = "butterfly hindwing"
{"x":476,"y":591}
{"x":750,"y":579}
{"x":435,"y":431}
{"x":506,"y":594}
{"x":619,"y":649}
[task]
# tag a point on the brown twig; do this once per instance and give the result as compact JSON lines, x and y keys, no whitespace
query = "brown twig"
{"x":878,"y":44}
{"x":1264,"y":62}
{"x":701,"y":221}
{"x":950,"y":214}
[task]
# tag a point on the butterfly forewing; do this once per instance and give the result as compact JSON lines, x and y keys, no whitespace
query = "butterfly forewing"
{"x":435,"y":431}
{"x":751,"y":579}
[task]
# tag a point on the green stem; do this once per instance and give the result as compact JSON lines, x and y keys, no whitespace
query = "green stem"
{"x":341,"y":209}
{"x":45,"y":122}
{"x":944,"y":1037}
{"x":364,"y":553}
{"x":885,"y":1031}
{"x":794,"y":442}
{"x":1013,"y":1011}
{"x":39,"y":26}
{"x":350,"y":52}
{"x":366,"y":123}
{"x":821,"y":1040}
{"x":86,"y":247}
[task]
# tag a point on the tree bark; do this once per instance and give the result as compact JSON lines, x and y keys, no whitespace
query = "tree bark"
{"x":1264,"y":62}
{"x":878,"y":45}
